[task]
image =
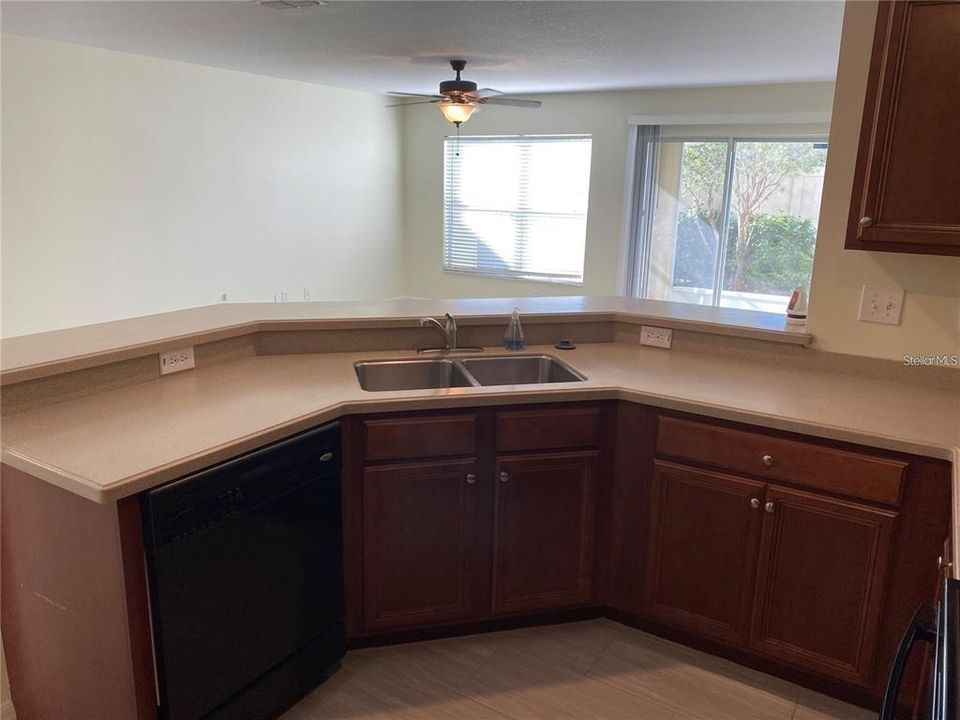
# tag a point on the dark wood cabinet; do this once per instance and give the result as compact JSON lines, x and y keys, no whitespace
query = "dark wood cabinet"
{"x":702,"y":550}
{"x":426,"y":547}
{"x":544,"y":531}
{"x":793,"y":575}
{"x":821,"y":579}
{"x":907,"y":177}
{"x":466,"y":515}
{"x":804,"y":555}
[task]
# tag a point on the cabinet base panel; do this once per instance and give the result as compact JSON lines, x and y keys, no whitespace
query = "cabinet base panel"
{"x":497,"y":624}
{"x":856,"y":696}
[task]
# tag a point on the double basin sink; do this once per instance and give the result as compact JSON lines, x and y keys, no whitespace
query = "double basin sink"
{"x":437,"y":373}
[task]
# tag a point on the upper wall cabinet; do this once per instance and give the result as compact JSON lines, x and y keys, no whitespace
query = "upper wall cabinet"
{"x":906,"y":192}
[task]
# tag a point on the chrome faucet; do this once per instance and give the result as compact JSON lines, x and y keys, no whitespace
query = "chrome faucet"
{"x":449,"y":330}
{"x":448,"y":327}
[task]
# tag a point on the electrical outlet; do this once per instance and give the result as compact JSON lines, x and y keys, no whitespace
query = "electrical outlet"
{"x":881,"y":306}
{"x":176,"y":360}
{"x":656,"y":336}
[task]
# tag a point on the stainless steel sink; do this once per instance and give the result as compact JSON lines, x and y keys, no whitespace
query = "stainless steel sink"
{"x":521,"y":370}
{"x":380,"y":375}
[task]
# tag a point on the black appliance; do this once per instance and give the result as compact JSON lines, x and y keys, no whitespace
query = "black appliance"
{"x":246,"y":580}
{"x":939,"y":626}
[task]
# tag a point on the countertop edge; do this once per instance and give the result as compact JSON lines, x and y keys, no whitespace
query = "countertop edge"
{"x":127,"y":486}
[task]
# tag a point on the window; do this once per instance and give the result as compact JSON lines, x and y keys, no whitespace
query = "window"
{"x":516,"y":207}
{"x":729,"y":222}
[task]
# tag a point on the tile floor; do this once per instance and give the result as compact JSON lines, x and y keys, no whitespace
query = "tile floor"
{"x":593,"y":670}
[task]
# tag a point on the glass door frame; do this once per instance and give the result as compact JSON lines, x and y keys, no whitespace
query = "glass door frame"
{"x":646,"y":161}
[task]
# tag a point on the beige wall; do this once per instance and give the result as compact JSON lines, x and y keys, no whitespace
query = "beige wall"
{"x":133,"y":185}
{"x":931,"y":311}
{"x":603,"y":115}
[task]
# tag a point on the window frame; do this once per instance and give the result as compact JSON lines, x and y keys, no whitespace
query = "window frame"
{"x":639,"y":239}
{"x":517,"y":214}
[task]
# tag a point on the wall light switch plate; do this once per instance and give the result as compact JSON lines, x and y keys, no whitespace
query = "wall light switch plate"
{"x":880,"y":305}
{"x":176,"y":360}
{"x":656,"y":336}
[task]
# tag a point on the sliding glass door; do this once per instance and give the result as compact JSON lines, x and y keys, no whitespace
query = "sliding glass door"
{"x":726,"y":222}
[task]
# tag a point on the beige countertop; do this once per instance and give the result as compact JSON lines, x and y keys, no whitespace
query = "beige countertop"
{"x":117,"y":443}
{"x":31,"y":356}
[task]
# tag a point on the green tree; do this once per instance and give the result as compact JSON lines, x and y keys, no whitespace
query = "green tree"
{"x":779,"y":257}
{"x":759,"y":169}
{"x":704,"y":170}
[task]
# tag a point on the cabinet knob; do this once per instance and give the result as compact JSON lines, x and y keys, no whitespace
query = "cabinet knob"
{"x":504,"y":477}
{"x":865,"y":221}
{"x":754,"y":503}
{"x":942,"y":564}
{"x":769,"y":507}
{"x":471,"y":478}
{"x":326,"y":457}
{"x":767,"y":460}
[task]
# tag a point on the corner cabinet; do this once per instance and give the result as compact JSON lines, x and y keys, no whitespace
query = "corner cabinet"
{"x":907,"y":177}
{"x":459,"y":517}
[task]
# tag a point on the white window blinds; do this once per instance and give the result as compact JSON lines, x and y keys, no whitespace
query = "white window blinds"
{"x":516,"y":206}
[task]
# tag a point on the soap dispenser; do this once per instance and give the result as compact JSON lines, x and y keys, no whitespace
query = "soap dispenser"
{"x":513,"y":337}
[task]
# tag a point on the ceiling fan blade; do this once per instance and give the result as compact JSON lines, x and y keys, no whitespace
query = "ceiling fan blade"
{"x":487,"y":92}
{"x":407,"y":104}
{"x":417,"y":95}
{"x":512,"y":102}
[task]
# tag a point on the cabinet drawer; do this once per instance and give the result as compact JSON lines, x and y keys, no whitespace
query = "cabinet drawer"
{"x":823,"y":468}
{"x":414,"y":437}
{"x":545,"y":429}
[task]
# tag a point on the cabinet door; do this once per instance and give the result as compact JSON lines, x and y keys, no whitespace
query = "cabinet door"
{"x":907,"y":183}
{"x":544,"y":531}
{"x":702,"y":552}
{"x":821,"y":581}
{"x":426,"y":554}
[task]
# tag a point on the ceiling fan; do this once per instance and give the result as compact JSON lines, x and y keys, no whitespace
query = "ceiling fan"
{"x":458,"y":99}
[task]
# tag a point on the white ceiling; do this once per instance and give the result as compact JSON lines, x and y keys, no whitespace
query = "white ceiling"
{"x":517,"y":47}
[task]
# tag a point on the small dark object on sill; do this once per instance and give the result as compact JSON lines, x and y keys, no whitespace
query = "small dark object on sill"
{"x":565,"y":344}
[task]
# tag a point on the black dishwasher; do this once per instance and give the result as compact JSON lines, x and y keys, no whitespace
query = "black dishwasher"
{"x":246,"y":580}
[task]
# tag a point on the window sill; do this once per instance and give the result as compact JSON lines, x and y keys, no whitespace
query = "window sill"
{"x":530,"y":279}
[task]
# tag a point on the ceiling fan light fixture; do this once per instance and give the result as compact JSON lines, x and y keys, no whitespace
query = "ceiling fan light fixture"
{"x":457,"y":111}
